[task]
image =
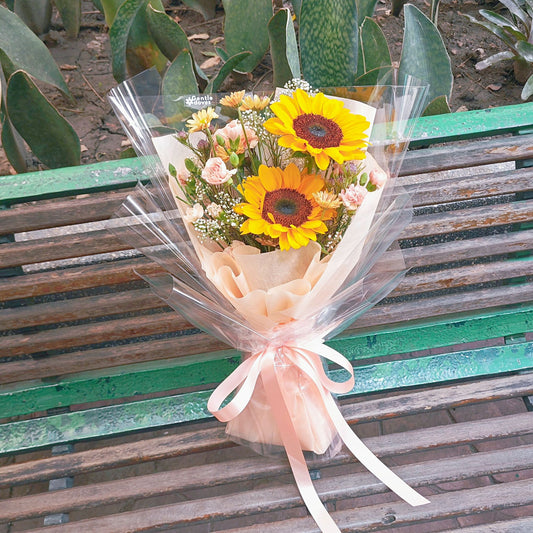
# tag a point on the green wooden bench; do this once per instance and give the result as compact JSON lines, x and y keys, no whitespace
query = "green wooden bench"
{"x":103,"y":388}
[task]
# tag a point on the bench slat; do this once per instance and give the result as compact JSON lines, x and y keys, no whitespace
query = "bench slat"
{"x":354,"y":344}
{"x":283,"y":497}
{"x":33,"y":433}
{"x":101,"y":241}
{"x":253,"y":468}
{"x":483,"y":152}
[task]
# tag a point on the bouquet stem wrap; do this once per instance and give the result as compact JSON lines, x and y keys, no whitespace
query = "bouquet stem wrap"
{"x":264,"y":366}
{"x":277,"y":306}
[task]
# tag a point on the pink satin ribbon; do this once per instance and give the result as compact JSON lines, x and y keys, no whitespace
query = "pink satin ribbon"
{"x":262,"y":365}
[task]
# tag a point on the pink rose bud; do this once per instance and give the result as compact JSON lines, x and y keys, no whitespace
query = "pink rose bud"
{"x":353,"y":196}
{"x":194,"y":213}
{"x":215,"y":171}
{"x":378,"y":177}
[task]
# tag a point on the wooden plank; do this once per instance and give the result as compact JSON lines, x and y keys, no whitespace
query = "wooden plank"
{"x":133,"y":301}
{"x":115,"y":272}
{"x":72,"y":309}
{"x":285,"y":497}
{"x":186,"y":407}
{"x":356,"y":342}
{"x":209,"y":439}
{"x":70,"y":181}
{"x":438,"y":191}
{"x":170,"y":322}
{"x":242,"y":470}
{"x":483,"y":152}
{"x":451,"y":504}
{"x":101,"y":241}
{"x":50,"y":214}
{"x":75,"y":278}
{"x":517,"y":525}
{"x":472,"y":124}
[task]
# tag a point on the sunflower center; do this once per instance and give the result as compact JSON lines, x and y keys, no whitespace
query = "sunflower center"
{"x":318,"y":131}
{"x":287,"y":207}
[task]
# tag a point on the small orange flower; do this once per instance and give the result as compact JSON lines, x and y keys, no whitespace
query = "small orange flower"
{"x":254,"y":103}
{"x":202,"y":120}
{"x":233,"y":100}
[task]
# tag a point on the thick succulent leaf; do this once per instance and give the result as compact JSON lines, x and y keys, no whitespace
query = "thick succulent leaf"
{"x":439,"y":106}
{"x":503,"y":23}
{"x":246,"y":28}
{"x":397,"y":6}
{"x":36,"y":14}
{"x":133,"y":48}
{"x":170,"y":38}
{"x":13,"y":144}
{"x":515,"y":8}
{"x":283,"y":48}
{"x":178,"y":80}
{"x":424,"y":55}
{"x":231,"y":64}
{"x":496,"y":30}
{"x":98,"y":5}
{"x":525,"y":50}
{"x":329,"y":42}
{"x":222,"y":53}
{"x":297,"y":6}
{"x":365,"y":8}
{"x":25,"y":51}
{"x":377,"y":76}
{"x":167,"y":33}
{"x":49,"y":136}
{"x":206,"y":7}
{"x":489,"y":61}
{"x":110,"y":8}
{"x":527,"y":90}
{"x":70,"y":11}
{"x":374,"y":50}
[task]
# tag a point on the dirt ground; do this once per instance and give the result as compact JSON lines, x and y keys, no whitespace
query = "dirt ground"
{"x":85,"y":64}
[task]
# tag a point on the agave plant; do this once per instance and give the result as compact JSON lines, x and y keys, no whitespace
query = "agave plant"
{"x":27,"y":118}
{"x":516,"y":32}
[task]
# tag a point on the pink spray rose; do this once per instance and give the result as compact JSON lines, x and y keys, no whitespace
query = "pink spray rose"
{"x":377,"y":177}
{"x":353,"y":196}
{"x":231,"y":132}
{"x":215,"y":171}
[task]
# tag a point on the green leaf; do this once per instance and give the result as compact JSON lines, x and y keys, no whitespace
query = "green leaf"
{"x":70,"y":11}
{"x":110,"y":8}
{"x":49,"y":136}
{"x":206,"y":7}
{"x":525,"y":50}
{"x":515,"y":8}
{"x":214,"y":85}
{"x":283,"y":48}
{"x":167,"y":33}
{"x":434,"y":11}
{"x":496,"y":30}
{"x":245,"y":28}
{"x":424,"y":55}
{"x":329,"y":42}
{"x":503,"y":23}
{"x":13,"y":144}
{"x":500,"y":56}
{"x":439,"y":106}
{"x":374,"y":51}
{"x":179,"y":78}
{"x":365,"y":8}
{"x":27,"y":52}
{"x":98,"y":5}
{"x":297,"y":6}
{"x":377,"y":76}
{"x":36,"y":14}
{"x":133,"y":49}
{"x":527,"y":91}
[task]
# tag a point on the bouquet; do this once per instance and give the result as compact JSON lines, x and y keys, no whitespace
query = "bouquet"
{"x":275,"y":217}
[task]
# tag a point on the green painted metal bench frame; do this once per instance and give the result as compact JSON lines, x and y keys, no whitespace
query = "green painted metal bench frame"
{"x":208,"y":369}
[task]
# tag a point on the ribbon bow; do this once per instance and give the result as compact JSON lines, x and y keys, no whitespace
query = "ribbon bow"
{"x":307,"y":358}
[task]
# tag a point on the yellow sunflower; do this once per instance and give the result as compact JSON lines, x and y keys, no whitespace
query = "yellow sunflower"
{"x":280,"y":204}
{"x":321,"y":126}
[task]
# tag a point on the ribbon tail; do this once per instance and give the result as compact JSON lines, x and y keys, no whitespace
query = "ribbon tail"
{"x":368,"y":459}
{"x":294,"y":450}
